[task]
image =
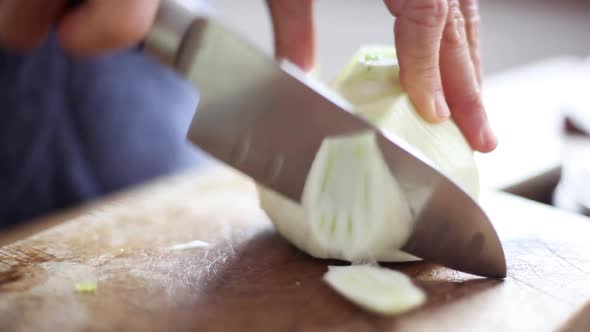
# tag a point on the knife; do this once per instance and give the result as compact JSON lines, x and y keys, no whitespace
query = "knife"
{"x":267,"y":120}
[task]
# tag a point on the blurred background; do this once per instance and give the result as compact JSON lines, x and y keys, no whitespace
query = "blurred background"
{"x":514,"y":32}
{"x":536,"y":75}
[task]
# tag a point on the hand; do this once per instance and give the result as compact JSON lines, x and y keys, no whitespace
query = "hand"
{"x":437,"y":42}
{"x":93,"y":28}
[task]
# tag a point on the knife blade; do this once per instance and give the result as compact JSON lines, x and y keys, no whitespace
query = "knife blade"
{"x":268,"y":120}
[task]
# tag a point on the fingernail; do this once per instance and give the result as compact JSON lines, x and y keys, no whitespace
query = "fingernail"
{"x":440,"y":106}
{"x":487,"y":139}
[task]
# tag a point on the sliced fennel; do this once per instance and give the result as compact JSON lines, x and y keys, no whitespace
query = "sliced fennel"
{"x":190,"y":245}
{"x":359,"y":219}
{"x":353,"y":208}
{"x":376,"y":289}
{"x":86,"y":287}
{"x":373,"y":87}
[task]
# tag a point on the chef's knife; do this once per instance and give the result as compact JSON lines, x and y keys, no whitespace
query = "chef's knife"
{"x":267,"y":120}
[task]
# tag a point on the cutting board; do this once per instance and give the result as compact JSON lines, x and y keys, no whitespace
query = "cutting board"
{"x":249,"y":279}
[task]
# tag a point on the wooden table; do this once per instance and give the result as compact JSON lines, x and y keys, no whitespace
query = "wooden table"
{"x":250,"y":279}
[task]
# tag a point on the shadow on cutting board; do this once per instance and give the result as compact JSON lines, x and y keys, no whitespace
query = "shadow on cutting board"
{"x":272,"y":286}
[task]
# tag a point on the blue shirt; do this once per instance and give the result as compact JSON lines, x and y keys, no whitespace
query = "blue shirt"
{"x":73,"y":130}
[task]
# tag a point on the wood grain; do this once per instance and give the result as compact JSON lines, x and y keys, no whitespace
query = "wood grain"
{"x":250,"y":279}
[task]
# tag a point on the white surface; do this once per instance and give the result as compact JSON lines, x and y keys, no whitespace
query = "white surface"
{"x":524,"y":107}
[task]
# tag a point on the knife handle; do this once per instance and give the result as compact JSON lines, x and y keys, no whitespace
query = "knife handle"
{"x":176,"y":31}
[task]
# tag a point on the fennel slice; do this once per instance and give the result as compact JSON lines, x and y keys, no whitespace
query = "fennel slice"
{"x":376,"y":289}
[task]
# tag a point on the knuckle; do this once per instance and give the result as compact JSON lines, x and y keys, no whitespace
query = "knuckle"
{"x":419,"y":75}
{"x":473,"y":34}
{"x":470,"y":100}
{"x":420,"y":64}
{"x":472,"y":18}
{"x":426,"y":13}
{"x":470,"y":10}
{"x":454,"y":11}
{"x":454,"y":32}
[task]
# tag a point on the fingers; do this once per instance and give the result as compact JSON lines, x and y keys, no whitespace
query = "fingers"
{"x":293,"y":27}
{"x":95,"y":27}
{"x":24,"y":24}
{"x":470,"y":10}
{"x":418,"y":29}
{"x":438,"y":51}
{"x":99,"y":26}
{"x":460,"y":82}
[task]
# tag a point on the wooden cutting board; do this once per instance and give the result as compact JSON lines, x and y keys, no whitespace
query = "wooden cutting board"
{"x":250,"y":279}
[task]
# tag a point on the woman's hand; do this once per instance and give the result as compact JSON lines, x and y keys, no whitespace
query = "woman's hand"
{"x":438,"y":49}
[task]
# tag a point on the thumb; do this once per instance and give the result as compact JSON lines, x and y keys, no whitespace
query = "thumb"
{"x":293,"y":27}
